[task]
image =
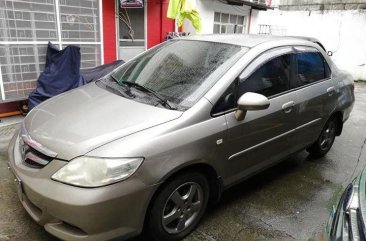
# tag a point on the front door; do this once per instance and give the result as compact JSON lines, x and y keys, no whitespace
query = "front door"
{"x":264,"y":136}
{"x":131,"y":37}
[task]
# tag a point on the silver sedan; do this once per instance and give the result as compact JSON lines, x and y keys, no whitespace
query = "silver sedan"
{"x":147,"y":147}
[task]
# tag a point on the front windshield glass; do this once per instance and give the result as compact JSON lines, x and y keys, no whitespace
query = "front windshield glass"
{"x":177,"y":71}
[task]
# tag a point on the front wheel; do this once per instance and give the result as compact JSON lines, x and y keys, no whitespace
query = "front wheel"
{"x":325,"y":140}
{"x":179,"y":207}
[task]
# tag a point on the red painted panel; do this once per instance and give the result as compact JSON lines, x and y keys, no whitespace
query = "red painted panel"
{"x":109,"y":31}
{"x":157,"y":22}
{"x":166,"y":23}
{"x":9,"y":107}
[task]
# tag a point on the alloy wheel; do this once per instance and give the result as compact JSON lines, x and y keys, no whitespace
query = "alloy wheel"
{"x":182,"y":208}
{"x":327,"y":136}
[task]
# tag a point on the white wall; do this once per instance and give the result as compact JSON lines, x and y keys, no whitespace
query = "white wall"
{"x":340,"y":31}
{"x":207,"y":10}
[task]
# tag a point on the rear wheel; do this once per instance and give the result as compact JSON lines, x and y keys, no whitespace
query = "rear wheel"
{"x":179,"y":207}
{"x":325,"y":140}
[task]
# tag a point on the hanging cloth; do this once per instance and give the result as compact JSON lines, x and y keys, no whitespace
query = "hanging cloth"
{"x":182,"y":9}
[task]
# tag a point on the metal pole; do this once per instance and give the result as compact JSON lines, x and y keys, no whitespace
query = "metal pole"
{"x":101,"y":32}
{"x":2,"y":86}
{"x":58,"y":22}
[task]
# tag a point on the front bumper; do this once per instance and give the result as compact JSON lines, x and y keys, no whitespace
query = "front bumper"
{"x":73,"y":213}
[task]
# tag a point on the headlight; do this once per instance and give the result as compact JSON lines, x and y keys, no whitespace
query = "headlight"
{"x":95,"y":171}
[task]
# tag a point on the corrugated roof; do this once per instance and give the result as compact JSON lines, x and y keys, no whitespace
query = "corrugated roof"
{"x":254,"y":4}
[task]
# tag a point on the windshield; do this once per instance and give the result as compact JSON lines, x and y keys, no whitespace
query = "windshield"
{"x":178,"y":70}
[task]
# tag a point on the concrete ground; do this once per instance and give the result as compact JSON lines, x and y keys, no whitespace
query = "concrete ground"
{"x":290,"y":201}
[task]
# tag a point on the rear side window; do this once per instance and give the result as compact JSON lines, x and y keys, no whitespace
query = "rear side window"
{"x":311,"y":67}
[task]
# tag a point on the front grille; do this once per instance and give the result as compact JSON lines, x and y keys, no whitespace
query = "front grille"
{"x":33,"y":153}
{"x":31,"y":157}
{"x":36,"y":159}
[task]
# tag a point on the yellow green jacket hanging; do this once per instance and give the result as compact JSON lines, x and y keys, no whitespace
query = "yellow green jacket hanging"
{"x":181,"y":9}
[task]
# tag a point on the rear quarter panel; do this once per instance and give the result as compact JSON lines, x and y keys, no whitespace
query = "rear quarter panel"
{"x":345,"y":93}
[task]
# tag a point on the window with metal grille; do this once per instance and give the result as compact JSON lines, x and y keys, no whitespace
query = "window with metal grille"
{"x":27,"y":26}
{"x":229,"y":23}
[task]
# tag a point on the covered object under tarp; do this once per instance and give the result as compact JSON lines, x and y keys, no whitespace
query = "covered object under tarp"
{"x":61,"y":73}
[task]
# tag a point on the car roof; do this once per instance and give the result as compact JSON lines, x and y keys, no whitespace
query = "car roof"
{"x":311,"y":39}
{"x":245,"y":40}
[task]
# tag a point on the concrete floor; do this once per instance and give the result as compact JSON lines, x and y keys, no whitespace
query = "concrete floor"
{"x":290,"y":201}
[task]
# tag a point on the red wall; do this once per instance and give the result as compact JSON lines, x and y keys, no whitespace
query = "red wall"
{"x":157,"y":22}
{"x":109,"y":31}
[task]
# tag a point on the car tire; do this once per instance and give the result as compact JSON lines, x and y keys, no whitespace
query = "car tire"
{"x":178,"y":207}
{"x":325,"y":139}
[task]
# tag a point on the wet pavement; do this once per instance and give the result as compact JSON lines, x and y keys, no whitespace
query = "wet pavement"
{"x":290,"y":201}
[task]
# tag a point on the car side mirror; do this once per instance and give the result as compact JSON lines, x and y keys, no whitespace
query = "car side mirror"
{"x":250,"y":101}
{"x":330,"y":53}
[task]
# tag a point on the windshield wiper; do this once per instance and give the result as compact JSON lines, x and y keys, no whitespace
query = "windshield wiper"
{"x":125,"y":92}
{"x":156,"y":95}
{"x":115,"y":79}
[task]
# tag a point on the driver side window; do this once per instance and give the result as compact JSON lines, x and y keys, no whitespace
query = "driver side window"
{"x":270,"y":79}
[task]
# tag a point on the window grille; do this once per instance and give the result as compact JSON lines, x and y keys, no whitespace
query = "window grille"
{"x":229,"y":23}
{"x":26,"y":26}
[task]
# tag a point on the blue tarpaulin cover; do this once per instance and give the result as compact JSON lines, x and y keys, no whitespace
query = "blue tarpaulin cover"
{"x":61,"y":73}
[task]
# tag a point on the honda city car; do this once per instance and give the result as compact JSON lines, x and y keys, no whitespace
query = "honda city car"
{"x":147,"y":147}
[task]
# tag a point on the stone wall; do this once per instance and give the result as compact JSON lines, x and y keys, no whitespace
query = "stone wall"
{"x":320,"y":5}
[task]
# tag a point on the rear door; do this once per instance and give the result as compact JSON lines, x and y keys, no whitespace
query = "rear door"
{"x":263,"y":136}
{"x":315,"y":94}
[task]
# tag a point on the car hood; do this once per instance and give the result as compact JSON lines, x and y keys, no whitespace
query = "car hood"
{"x":83,"y":119}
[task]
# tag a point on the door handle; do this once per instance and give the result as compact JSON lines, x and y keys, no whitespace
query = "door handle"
{"x":287,"y":107}
{"x":331,"y":91}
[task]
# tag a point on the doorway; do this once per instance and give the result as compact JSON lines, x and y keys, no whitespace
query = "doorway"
{"x":131,"y":31}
